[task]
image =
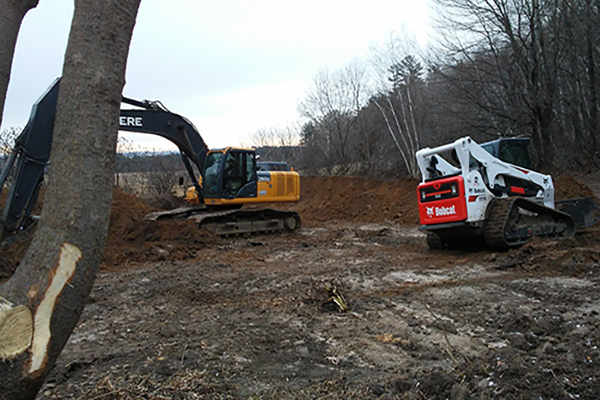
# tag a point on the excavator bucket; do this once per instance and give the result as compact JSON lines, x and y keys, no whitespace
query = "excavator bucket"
{"x":585,"y":211}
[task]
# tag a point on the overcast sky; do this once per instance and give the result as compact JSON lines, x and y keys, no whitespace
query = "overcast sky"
{"x":230,"y":66}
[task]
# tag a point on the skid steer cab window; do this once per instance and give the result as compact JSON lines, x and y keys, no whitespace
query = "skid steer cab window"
{"x":211,"y":175}
{"x":515,"y":153}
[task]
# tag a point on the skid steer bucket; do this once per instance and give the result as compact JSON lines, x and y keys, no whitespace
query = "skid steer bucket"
{"x":585,"y":211}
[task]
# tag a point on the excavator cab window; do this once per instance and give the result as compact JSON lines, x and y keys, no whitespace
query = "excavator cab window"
{"x":211,"y":175}
{"x":250,"y":167}
{"x":233,"y":176}
{"x":230,"y":175}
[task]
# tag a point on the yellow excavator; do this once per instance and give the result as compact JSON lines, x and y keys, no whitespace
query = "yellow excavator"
{"x":224,"y":180}
{"x":273,"y":186}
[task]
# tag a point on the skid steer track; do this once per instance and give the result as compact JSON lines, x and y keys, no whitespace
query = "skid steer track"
{"x":514,"y":221}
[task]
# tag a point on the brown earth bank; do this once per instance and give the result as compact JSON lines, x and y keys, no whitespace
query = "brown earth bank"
{"x":323,"y":200}
{"x":131,"y":239}
{"x":178,"y":313}
{"x":360,"y":200}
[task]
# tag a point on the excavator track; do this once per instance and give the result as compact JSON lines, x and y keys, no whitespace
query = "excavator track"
{"x":235,"y":221}
{"x":512,"y":222}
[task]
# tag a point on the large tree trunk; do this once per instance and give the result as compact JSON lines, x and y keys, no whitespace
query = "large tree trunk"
{"x":12,"y":13}
{"x":46,"y":295}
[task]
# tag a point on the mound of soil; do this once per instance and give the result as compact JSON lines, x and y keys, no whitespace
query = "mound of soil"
{"x":566,"y":187}
{"x":142,"y":241}
{"x":576,"y":256}
{"x":329,"y":198}
{"x":322,"y":200}
{"x":125,"y":210}
{"x":368,"y":200}
{"x":132,"y":239}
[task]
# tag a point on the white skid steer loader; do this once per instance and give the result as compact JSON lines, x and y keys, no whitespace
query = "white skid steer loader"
{"x":471,"y":191}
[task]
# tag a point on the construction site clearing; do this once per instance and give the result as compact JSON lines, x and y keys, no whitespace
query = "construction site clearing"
{"x":352,"y":305}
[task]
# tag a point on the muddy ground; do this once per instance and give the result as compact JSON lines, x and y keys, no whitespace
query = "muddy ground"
{"x":178,"y":314}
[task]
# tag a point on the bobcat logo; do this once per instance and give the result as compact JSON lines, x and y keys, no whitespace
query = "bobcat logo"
{"x":440,"y":211}
{"x":429,"y":211}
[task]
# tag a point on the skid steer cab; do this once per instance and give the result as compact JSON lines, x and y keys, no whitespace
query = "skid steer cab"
{"x":231,"y":178}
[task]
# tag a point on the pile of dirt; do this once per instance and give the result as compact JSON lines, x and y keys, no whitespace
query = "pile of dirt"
{"x":322,"y":199}
{"x":131,"y":238}
{"x":125,"y":210}
{"x":141,"y":241}
{"x":327,"y":198}
{"x":576,"y":256}
{"x":566,"y":187}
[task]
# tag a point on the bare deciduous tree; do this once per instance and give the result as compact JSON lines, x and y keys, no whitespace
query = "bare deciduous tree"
{"x":7,"y":143}
{"x":160,"y":182}
{"x":7,"y":139}
{"x":331,"y":107}
{"x":277,"y":144}
{"x":400,"y":78}
{"x":527,"y":67}
{"x":43,"y":300}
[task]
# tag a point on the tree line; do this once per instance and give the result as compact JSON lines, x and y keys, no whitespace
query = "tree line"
{"x":501,"y":68}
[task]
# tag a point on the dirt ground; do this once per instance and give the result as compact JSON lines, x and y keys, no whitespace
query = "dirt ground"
{"x":178,"y":314}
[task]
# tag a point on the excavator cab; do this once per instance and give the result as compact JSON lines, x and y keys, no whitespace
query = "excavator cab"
{"x":229,"y":175}
{"x":231,"y":179}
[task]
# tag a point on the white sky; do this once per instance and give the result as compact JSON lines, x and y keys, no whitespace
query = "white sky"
{"x":230,"y":66}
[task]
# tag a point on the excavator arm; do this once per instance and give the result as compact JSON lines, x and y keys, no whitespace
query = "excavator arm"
{"x":31,"y":153}
{"x":154,"y":118}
